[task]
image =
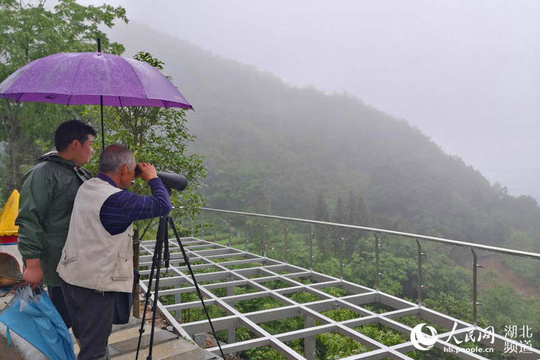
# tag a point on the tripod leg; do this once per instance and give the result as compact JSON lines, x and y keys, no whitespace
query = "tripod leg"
{"x":166,"y":253}
{"x":146,"y":300}
{"x":155,"y":257}
{"x":163,"y":237}
{"x":186,"y":260}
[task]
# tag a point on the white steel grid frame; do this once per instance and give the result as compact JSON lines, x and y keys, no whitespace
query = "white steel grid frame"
{"x":207,"y":255}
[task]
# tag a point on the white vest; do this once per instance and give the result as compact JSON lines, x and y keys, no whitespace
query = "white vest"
{"x":92,"y":258}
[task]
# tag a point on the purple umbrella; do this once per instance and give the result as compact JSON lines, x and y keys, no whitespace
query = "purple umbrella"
{"x":92,"y":79}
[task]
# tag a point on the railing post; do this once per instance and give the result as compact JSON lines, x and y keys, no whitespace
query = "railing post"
{"x":311,"y":235}
{"x":475,"y":302}
{"x":341,"y":245}
{"x":264,"y":241}
{"x":230,"y":233}
{"x":246,"y":238}
{"x":420,"y":286}
{"x":286,"y":243}
{"x":214,"y":226}
{"x":377,"y":273}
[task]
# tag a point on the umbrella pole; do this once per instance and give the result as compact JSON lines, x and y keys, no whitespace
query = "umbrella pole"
{"x":101,"y":104}
{"x":102,"y":126}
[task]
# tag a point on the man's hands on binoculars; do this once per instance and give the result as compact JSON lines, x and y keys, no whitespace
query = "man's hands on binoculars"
{"x":148,"y":171}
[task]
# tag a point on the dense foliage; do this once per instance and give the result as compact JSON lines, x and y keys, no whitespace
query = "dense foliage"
{"x":158,"y":136}
{"x":273,"y":148}
{"x":448,"y":287}
{"x":30,"y":30}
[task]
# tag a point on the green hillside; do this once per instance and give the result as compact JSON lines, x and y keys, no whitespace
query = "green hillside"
{"x":277,"y":149}
{"x":274,"y":148}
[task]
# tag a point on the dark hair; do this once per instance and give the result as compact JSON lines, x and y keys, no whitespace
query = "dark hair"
{"x":69,"y":131}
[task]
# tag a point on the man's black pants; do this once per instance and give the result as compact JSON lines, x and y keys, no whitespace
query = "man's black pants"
{"x":57,"y":298}
{"x":91,"y":314}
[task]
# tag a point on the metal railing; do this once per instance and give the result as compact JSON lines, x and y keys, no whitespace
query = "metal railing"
{"x":377,"y":232}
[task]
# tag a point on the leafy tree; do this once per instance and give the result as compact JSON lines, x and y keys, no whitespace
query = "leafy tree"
{"x":158,"y":136}
{"x":30,"y":30}
{"x":357,"y":214}
{"x":504,"y":306}
{"x":449,"y":291}
{"x":336,"y":142}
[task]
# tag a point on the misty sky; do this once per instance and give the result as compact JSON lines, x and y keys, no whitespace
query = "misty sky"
{"x":466,"y":72}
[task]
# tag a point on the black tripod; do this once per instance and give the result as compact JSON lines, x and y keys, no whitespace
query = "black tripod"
{"x":162,"y":248}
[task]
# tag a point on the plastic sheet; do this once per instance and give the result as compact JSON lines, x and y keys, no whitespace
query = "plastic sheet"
{"x":32,"y":316}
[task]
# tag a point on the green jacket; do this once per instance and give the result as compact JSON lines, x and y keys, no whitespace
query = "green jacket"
{"x":47,"y":194}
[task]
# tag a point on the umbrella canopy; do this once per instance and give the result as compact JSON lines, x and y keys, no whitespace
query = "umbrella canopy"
{"x":82,"y":78}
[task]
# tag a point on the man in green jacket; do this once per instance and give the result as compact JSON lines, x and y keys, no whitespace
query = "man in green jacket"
{"x":47,"y":194}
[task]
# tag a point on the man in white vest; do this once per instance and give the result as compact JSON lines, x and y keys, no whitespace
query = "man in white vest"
{"x":97,"y":259}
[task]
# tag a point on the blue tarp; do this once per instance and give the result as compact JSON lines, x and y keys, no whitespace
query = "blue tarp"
{"x":33,"y":316}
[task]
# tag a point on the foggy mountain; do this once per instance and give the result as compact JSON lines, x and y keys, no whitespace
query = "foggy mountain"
{"x":274,"y":148}
{"x":465,"y":72}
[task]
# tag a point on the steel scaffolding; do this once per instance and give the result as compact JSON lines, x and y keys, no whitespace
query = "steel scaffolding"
{"x":224,"y":267}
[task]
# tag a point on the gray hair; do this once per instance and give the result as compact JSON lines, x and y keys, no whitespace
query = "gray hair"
{"x":114,"y":156}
